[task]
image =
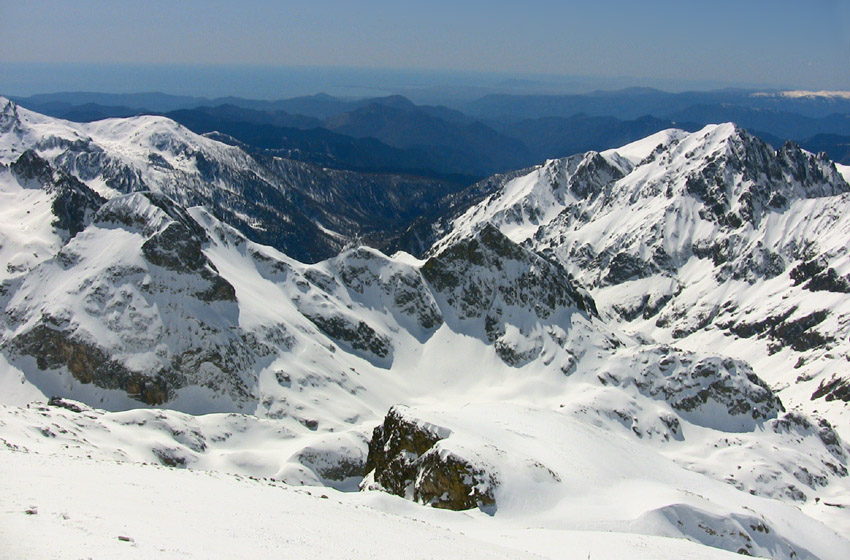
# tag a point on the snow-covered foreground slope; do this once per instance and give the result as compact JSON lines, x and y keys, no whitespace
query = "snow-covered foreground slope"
{"x":580,"y":482}
{"x":589,"y":492}
{"x":565,"y":474}
{"x":522,"y":404}
{"x":120,"y":510}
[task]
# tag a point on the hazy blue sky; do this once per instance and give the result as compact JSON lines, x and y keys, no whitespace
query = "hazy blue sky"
{"x":799,"y":43}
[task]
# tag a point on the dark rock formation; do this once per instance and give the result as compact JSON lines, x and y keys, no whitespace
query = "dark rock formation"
{"x":74,"y":203}
{"x":405,"y":459}
{"x":357,"y":334}
{"x":690,"y":385}
{"x":488,"y":269}
{"x":54,"y":348}
{"x":799,"y":334}
{"x":836,"y":388}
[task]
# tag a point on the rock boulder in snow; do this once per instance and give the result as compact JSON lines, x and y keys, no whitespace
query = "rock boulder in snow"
{"x":405,"y":459}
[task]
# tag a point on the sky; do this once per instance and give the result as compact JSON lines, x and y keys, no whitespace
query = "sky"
{"x":779,"y":43}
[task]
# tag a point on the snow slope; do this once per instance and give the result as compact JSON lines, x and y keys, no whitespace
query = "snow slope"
{"x":558,"y":483}
{"x":844,"y":170}
{"x":167,"y":513}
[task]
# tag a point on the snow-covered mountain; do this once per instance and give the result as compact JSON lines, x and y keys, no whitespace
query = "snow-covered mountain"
{"x":703,"y":240}
{"x":306,"y":210}
{"x":501,"y":373}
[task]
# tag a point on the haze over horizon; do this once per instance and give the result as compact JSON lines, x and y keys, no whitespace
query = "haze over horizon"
{"x":270,"y":49}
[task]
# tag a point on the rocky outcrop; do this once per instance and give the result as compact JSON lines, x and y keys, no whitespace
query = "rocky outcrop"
{"x":337,"y":460}
{"x":800,"y":334}
{"x":406,"y":459}
{"x":488,"y":269}
{"x":174,"y":240}
{"x":401,"y":288}
{"x":747,"y":179}
{"x":511,"y":290}
{"x":816,"y":275}
{"x":54,"y":348}
{"x":835,"y":388}
{"x":74,"y":203}
{"x":713,"y":391}
{"x":448,"y":481}
{"x":356,"y":334}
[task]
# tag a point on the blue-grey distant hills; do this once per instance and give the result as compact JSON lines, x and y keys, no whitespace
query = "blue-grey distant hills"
{"x":632,"y":103}
{"x":471,"y":140}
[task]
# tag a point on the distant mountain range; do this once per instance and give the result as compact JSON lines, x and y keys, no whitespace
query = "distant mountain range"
{"x":474,"y":139}
{"x":632,"y":103}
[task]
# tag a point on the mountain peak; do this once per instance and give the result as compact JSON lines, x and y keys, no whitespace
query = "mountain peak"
{"x":9,"y":118}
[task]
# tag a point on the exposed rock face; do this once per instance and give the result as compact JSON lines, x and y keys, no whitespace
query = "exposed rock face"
{"x":335,"y":460}
{"x":54,"y":348}
{"x":690,"y":385}
{"x":447,"y":481}
{"x":10,"y":121}
{"x":488,"y":269}
{"x":174,"y":241}
{"x":514,"y":292}
{"x":817,"y":276}
{"x":357,"y":334}
{"x":624,"y":267}
{"x":835,"y":388}
{"x":590,"y":175}
{"x":332,"y":468}
{"x":761,"y":180}
{"x":800,"y":334}
{"x":405,"y":459}
{"x":395,"y":448}
{"x":74,"y":203}
{"x":403,"y":288}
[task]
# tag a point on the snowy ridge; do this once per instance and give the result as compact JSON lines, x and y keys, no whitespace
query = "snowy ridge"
{"x":271,"y":201}
{"x":149,"y":153}
{"x":713,"y":239}
{"x":115,"y":155}
{"x":306,"y":210}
